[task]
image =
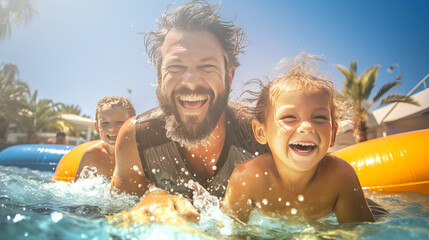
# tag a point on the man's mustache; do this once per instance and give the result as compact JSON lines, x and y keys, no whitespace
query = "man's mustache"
{"x":198,"y":90}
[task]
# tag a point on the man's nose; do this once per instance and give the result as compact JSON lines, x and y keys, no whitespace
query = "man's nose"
{"x":191,"y":78}
{"x":306,"y":127}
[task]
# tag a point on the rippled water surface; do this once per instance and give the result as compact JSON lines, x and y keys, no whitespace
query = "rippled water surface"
{"x":34,"y":207}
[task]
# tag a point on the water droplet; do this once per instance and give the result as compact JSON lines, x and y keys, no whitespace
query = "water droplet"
{"x":249,"y":201}
{"x":182,"y":169}
{"x":139,"y":186}
{"x":140,"y":173}
{"x":355,"y":189}
{"x":26,"y":234}
{"x":244,"y":183}
{"x":258,"y":205}
{"x":83,"y":236}
{"x":266,"y":173}
{"x":214,"y":168}
{"x":270,"y":189}
{"x":257,"y":175}
{"x":186,"y":173}
{"x":280,"y":199}
{"x":193,"y":155}
{"x":300,"y":198}
{"x":153,"y":170}
{"x":287,"y":203}
{"x":265,"y":201}
{"x":152,"y":219}
{"x":157,"y":170}
{"x":135,"y":168}
{"x":56,"y":217}
{"x":244,"y":151}
{"x":18,"y":217}
{"x":213,"y":160}
{"x":256,"y":153}
{"x":293,"y":211}
{"x":163,"y":158}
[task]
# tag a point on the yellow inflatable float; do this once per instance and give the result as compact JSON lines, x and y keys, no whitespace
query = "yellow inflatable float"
{"x":67,"y":167}
{"x":397,"y":163}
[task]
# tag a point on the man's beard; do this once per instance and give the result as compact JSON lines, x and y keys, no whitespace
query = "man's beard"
{"x":194,"y":131}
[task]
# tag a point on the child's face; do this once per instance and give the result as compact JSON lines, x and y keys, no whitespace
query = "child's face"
{"x":298,"y":128}
{"x":109,"y":122}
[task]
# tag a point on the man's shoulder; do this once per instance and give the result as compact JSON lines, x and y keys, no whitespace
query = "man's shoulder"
{"x":150,"y":116}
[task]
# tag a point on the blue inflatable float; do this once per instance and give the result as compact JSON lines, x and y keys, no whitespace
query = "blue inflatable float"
{"x":42,"y":157}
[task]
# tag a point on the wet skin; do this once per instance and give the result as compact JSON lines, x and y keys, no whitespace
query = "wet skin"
{"x":102,"y":155}
{"x":191,"y":61}
{"x":297,"y":177}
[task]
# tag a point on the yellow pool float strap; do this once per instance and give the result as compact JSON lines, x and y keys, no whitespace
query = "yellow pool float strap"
{"x":67,"y":167}
{"x":397,"y":163}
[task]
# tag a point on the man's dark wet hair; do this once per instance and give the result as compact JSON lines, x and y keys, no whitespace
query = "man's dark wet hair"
{"x":196,"y":15}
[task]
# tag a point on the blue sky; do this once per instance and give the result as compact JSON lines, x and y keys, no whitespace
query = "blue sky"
{"x":77,"y":51}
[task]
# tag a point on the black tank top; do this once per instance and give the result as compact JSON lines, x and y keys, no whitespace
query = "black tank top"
{"x":164,"y":163}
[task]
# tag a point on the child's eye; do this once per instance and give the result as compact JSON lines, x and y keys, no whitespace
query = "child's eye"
{"x":321,"y":118}
{"x":288,"y":118}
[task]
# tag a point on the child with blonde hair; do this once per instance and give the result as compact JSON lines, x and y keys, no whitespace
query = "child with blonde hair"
{"x":111,"y":113}
{"x":296,"y":116}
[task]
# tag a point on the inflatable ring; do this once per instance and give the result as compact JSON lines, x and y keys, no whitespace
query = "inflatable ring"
{"x":67,"y":167}
{"x":397,"y":163}
{"x":42,"y":157}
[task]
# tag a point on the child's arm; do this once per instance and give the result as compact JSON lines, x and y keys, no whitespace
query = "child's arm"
{"x":88,"y":159}
{"x":236,"y":202}
{"x":351,"y":205}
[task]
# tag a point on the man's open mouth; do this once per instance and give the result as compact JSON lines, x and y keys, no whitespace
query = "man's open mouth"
{"x":192,"y":101}
{"x":303,"y":147}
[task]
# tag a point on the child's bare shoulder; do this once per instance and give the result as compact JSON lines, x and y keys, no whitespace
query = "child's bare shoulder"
{"x":94,"y":152}
{"x":337,"y":165}
{"x":257,"y":163}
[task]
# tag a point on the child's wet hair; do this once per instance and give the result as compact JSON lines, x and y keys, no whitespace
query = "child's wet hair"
{"x":114,"y":101}
{"x":303,"y":76}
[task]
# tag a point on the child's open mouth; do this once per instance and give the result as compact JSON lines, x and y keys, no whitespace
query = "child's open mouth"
{"x":111,"y":137}
{"x":303,"y":148}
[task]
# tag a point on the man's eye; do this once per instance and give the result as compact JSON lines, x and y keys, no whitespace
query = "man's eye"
{"x":104,"y":123}
{"x":207,"y":67}
{"x":175,"y":68}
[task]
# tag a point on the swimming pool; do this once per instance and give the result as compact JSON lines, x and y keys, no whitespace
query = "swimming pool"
{"x":34,"y":207}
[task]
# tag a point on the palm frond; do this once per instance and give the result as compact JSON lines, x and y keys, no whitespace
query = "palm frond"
{"x":367,"y":80}
{"x":394,"y":98}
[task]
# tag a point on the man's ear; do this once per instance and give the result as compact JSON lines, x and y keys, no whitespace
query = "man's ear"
{"x":231,"y":74}
{"x":96,"y":127}
{"x":259,"y":131}
{"x":334,"y":133}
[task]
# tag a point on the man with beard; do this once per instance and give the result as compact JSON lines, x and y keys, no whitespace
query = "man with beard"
{"x":193,"y":134}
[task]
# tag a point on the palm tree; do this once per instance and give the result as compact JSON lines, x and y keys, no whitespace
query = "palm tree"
{"x":13,"y":95}
{"x":357,"y":91}
{"x":39,"y":116}
{"x":17,"y":11}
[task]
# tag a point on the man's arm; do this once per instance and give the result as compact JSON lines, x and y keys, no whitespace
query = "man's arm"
{"x":351,"y":205}
{"x":128,"y":176}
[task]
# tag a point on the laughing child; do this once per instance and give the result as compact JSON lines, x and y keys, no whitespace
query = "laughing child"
{"x":110,"y":115}
{"x":296,"y":115}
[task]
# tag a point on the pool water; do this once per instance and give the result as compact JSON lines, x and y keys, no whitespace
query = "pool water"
{"x":34,"y":207}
